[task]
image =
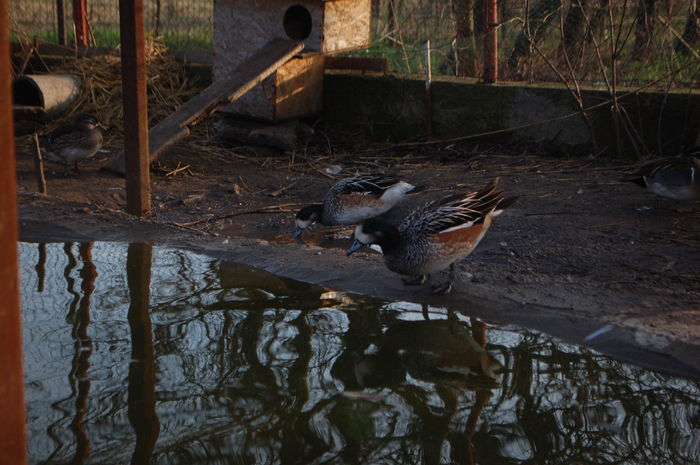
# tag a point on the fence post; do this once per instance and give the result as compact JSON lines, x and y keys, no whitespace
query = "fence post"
{"x":80,"y":22}
{"x":13,"y":436}
{"x":136,"y":161}
{"x":61,"y":22}
{"x":491,"y":41}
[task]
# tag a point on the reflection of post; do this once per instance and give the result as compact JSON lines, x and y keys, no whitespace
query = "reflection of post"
{"x":482,"y":394}
{"x":13,"y":439}
{"x":83,"y":350}
{"x":142,"y":408}
{"x":482,"y":397}
{"x":41,"y":267}
{"x":479,"y":331}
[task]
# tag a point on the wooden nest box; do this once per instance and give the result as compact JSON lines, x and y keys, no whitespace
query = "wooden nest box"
{"x":242,"y":27}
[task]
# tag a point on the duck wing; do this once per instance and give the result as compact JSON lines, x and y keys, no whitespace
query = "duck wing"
{"x":459,"y":210}
{"x":366,"y":185}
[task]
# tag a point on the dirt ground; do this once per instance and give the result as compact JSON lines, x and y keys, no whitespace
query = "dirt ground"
{"x":580,"y":250}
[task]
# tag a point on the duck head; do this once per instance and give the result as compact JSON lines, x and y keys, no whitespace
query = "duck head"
{"x":374,"y":231}
{"x":87,"y":121}
{"x":306,"y":217}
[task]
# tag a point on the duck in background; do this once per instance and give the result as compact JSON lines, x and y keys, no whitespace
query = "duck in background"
{"x":676,"y":178}
{"x":74,"y":142}
{"x":434,"y":237}
{"x":353,"y":200}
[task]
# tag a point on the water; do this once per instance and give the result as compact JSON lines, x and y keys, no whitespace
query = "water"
{"x":144,"y":355}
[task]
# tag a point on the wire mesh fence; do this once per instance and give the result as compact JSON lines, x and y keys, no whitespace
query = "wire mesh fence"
{"x":605,"y":43}
{"x":182,"y":24}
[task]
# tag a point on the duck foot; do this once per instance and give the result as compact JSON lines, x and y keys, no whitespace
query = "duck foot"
{"x":441,"y":289}
{"x":415,"y":280}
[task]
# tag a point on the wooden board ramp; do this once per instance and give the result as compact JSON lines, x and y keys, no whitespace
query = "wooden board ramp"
{"x":221,"y":93}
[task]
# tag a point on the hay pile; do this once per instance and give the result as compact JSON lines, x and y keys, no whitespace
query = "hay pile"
{"x":168,"y":87}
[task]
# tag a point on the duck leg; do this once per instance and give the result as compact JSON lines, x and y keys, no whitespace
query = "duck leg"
{"x":445,"y":288}
{"x":415,"y":280}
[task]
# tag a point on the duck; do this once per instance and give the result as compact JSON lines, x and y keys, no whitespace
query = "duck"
{"x":71,"y":143}
{"x":434,"y":236}
{"x":353,"y":200}
{"x":675,"y":178}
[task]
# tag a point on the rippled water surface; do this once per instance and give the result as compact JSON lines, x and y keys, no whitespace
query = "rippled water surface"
{"x":145,"y":355}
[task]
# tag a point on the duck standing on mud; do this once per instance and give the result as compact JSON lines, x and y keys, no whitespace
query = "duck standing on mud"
{"x":71,"y":143}
{"x":435,"y":236}
{"x":676,"y":178}
{"x":353,"y":200}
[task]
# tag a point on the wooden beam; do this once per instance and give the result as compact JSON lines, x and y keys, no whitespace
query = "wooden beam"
{"x":138,"y":184}
{"x":80,"y":22}
{"x":176,"y":126}
{"x":13,"y":436}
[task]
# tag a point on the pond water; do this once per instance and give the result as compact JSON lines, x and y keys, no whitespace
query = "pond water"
{"x":140,"y":354}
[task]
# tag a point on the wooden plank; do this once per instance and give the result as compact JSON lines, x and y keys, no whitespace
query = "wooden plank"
{"x":378,"y":65}
{"x":299,"y":87}
{"x":13,"y":438}
{"x":134,"y":98}
{"x":346,"y":25}
{"x":219,"y":94}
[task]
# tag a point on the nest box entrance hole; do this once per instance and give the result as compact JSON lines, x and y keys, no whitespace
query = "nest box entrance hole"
{"x":297,"y":22}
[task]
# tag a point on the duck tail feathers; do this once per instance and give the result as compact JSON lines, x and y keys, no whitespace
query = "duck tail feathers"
{"x":503,"y":204}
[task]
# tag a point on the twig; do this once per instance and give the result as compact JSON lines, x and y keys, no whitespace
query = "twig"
{"x":39,"y":166}
{"x":177,"y":170}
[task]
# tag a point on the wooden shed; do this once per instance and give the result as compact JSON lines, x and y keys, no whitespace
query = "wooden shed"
{"x":241,"y":27}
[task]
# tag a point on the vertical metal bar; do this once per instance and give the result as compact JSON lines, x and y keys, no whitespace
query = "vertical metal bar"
{"x":428,"y":89}
{"x":61,"y":22}
{"x":138,"y":188}
{"x":13,"y":437}
{"x":491,"y":41}
{"x":80,"y":21}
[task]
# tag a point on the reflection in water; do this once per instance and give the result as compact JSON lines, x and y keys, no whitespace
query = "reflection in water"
{"x":176,"y":358}
{"x":141,"y":400}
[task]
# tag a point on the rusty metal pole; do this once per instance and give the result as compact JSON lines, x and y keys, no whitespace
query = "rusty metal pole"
{"x":80,"y":22}
{"x":61,"y":22}
{"x":13,"y":436}
{"x":491,"y":41}
{"x":138,"y":187}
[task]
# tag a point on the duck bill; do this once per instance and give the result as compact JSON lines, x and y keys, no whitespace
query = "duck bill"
{"x":297,"y":232}
{"x":357,"y":245}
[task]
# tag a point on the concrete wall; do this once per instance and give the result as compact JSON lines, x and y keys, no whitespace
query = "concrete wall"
{"x":387,"y":107}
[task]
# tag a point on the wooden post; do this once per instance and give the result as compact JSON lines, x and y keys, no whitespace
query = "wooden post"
{"x":491,"y":41}
{"x":138,"y":187}
{"x":80,"y":22}
{"x":428,"y":89}
{"x":13,"y":436}
{"x":61,"y":22}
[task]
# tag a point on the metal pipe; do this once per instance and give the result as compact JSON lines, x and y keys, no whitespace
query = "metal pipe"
{"x":428,"y":89}
{"x":138,"y":187}
{"x":80,"y":22}
{"x":491,"y":41}
{"x":13,"y":435}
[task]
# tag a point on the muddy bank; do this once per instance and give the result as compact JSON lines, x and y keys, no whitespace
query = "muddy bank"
{"x":579,"y":250}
